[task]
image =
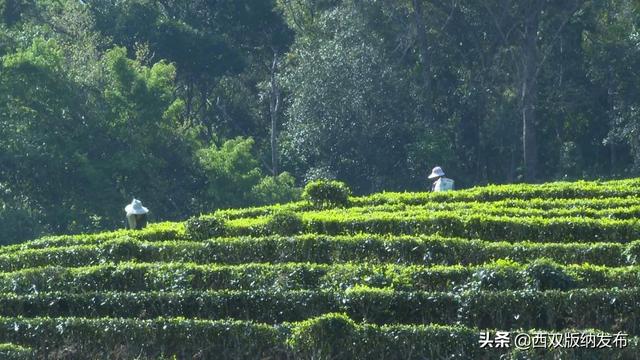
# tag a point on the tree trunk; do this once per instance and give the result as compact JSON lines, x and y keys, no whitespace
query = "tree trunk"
{"x":612,"y":113}
{"x":529,"y":93}
{"x":423,"y":45}
{"x":274,"y":105}
{"x":511,"y":171}
{"x":423,"y":48}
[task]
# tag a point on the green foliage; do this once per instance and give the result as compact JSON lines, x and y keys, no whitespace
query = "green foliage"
{"x":327,"y":193}
{"x":205,"y":227}
{"x":171,"y":102}
{"x":19,"y":223}
{"x":150,"y":339}
{"x":15,"y":352}
{"x":243,"y":340}
{"x":542,"y":195}
{"x":340,"y":74}
{"x":234,"y":177}
{"x":273,"y":190}
{"x":318,"y":295}
{"x":545,"y":275}
{"x":61,"y":126}
{"x":632,"y":252}
{"x":95,"y":92}
{"x":285,"y":223}
{"x":154,"y":277}
{"x":626,"y":207}
{"x":306,"y":248}
{"x":88,"y":126}
{"x":547,"y":310}
{"x":13,"y":11}
{"x":457,"y":223}
{"x":330,"y":336}
{"x":231,"y":172}
{"x":495,"y":278}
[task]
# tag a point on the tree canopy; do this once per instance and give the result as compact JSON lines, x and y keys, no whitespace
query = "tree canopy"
{"x":197,"y":105}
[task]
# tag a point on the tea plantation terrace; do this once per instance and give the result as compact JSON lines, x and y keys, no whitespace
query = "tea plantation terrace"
{"x":390,"y":275}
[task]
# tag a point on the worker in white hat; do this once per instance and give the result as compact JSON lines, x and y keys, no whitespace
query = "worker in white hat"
{"x":136,"y":215}
{"x":440,"y":183}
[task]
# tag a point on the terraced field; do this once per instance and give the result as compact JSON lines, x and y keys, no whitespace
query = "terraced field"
{"x":388,"y":276}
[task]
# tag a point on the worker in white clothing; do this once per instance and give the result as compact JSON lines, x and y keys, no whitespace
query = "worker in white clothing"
{"x":440,"y":183}
{"x":136,"y":215}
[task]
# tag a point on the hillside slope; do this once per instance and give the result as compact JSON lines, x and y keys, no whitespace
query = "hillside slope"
{"x":391,"y":275}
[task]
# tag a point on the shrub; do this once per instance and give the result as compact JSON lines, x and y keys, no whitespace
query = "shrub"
{"x":427,"y":250}
{"x":19,"y":223}
{"x":15,"y":352}
{"x":632,"y":252}
{"x":285,"y":223}
{"x":327,"y":193}
{"x":102,"y":338}
{"x":330,"y":336}
{"x":205,"y":227}
{"x":547,"y":275}
{"x":280,"y":189}
{"x":231,"y":170}
{"x":495,"y":278}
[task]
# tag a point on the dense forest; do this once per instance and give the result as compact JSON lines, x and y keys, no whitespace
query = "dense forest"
{"x":194,"y":105}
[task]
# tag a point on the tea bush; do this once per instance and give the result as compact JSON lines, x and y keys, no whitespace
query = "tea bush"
{"x":205,"y":227}
{"x":390,"y":275}
{"x":326,"y":193}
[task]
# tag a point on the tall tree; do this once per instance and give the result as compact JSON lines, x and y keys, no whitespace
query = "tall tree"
{"x":274,"y":109}
{"x":344,"y":111}
{"x":529,"y":30}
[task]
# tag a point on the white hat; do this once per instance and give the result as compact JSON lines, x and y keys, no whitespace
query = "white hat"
{"x":136,"y":208}
{"x":436,"y":172}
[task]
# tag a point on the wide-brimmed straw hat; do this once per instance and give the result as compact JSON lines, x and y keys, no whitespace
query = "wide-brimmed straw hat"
{"x":136,"y":208}
{"x":436,"y":172}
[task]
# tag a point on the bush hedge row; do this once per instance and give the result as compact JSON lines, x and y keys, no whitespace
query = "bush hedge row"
{"x":324,"y":249}
{"x":486,"y":227}
{"x":497,"y":209}
{"x":502,"y":275}
{"x":466,"y":224}
{"x":552,"y":196}
{"x":605,"y":309}
{"x":154,"y":232}
{"x":594,"y":195}
{"x":616,"y":208}
{"x":330,"y":336}
{"x":555,"y":190}
{"x":559,"y":204}
{"x":15,"y":352}
{"x":81,"y":338}
{"x":335,"y":336}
